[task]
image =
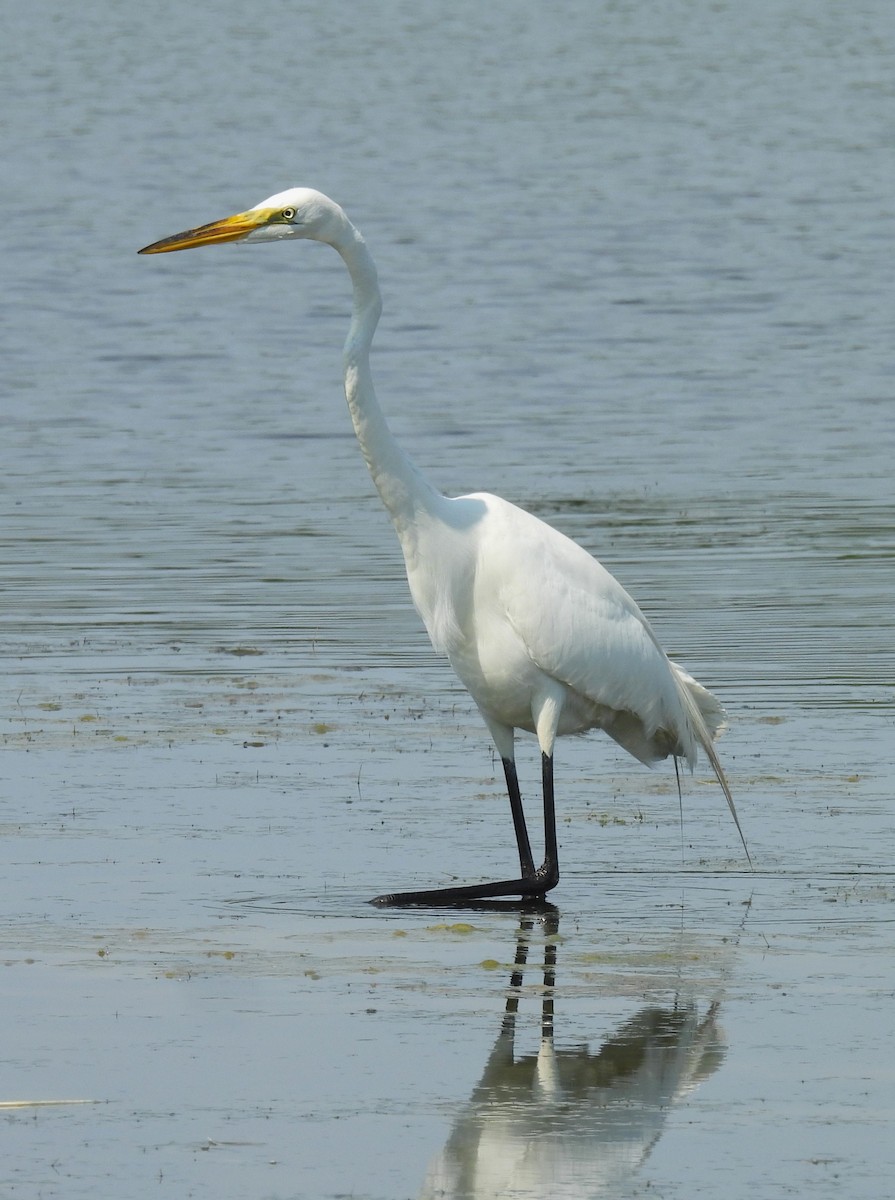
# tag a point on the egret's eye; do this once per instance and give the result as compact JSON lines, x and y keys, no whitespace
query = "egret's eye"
{"x":288,"y":214}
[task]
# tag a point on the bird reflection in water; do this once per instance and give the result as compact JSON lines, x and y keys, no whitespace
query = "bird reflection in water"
{"x":569,"y":1122}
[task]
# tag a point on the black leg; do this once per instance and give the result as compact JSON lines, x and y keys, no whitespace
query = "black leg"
{"x":531,"y":889}
{"x":533,"y":884}
{"x":526,"y":860}
{"x":548,"y":872}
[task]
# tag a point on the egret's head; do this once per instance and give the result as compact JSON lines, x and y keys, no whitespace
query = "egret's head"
{"x":296,"y":213}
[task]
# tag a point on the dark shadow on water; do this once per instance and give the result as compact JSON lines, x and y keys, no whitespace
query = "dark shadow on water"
{"x":620,"y":897}
{"x":347,"y":903}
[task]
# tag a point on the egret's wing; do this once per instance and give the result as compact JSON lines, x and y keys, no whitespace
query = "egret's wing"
{"x":581,"y":627}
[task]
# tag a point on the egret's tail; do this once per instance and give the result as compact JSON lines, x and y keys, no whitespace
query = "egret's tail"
{"x":707,"y":719}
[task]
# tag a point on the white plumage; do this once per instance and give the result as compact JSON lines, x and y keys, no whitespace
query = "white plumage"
{"x":542,"y":636}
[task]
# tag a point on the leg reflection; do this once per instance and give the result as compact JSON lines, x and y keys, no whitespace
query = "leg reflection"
{"x":570,"y":1121}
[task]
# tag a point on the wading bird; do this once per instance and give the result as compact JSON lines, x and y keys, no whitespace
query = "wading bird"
{"x":542,"y":636}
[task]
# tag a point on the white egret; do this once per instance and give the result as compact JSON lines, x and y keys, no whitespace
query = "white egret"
{"x":542,"y":636}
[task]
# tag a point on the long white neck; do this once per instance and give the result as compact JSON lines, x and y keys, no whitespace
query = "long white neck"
{"x":404,"y":491}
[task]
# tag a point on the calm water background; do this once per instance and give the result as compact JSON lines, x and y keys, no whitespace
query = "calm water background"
{"x":637,"y":270}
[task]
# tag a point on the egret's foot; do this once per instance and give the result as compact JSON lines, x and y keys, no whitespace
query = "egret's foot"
{"x":531,"y":889}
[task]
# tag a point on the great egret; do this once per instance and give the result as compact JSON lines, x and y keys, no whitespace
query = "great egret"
{"x":543,"y":637}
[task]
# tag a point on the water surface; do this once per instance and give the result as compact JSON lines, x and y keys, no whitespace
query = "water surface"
{"x":637,"y":278}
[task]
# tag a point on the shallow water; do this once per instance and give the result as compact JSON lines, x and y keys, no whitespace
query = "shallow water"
{"x":636,"y":278}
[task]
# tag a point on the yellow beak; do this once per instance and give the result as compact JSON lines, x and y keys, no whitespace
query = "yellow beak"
{"x":230,"y":229}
